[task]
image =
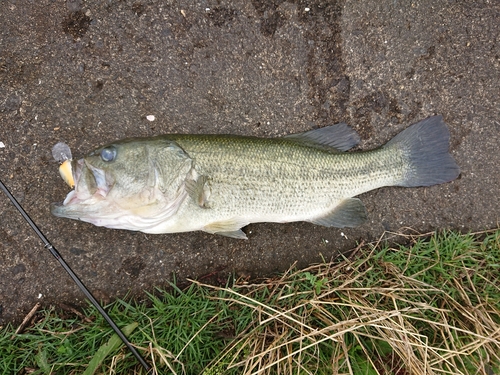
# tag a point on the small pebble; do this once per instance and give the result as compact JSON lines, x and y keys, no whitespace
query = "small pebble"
{"x":2,"y":145}
{"x":150,"y":117}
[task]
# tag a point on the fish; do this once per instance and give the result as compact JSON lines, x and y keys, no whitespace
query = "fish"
{"x":221,"y":183}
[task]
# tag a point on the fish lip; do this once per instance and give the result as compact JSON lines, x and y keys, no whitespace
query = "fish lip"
{"x":79,"y":194}
{"x":57,"y":209}
{"x":76,"y":170}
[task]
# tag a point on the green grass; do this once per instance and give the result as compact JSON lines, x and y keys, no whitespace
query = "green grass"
{"x":429,"y":308}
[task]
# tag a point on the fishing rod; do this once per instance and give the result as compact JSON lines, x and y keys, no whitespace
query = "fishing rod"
{"x":78,"y":282}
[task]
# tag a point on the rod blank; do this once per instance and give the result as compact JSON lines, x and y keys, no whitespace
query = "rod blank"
{"x":75,"y":278}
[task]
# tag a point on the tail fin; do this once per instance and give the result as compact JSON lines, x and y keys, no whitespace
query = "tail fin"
{"x":425,"y":145}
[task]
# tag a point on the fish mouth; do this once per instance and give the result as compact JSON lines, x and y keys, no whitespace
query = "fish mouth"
{"x":91,"y":185}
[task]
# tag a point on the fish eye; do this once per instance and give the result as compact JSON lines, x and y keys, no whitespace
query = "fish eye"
{"x":108,"y":154}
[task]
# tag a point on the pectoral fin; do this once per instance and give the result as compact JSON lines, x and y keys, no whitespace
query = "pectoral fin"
{"x":351,"y":212}
{"x":199,"y":190}
{"x":228,"y":228}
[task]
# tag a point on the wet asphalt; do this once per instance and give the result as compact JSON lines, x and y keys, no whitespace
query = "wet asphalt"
{"x":90,"y":72}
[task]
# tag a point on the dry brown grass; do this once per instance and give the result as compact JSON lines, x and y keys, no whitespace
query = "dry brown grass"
{"x":371,"y":316}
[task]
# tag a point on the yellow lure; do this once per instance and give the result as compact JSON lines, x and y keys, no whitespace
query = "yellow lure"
{"x":66,"y":173}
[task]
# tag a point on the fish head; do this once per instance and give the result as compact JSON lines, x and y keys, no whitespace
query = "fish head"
{"x":129,"y":184}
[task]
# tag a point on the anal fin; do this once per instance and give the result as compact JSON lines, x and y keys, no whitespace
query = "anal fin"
{"x":350,"y":212}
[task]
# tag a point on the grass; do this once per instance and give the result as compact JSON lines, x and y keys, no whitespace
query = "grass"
{"x":430,"y":308}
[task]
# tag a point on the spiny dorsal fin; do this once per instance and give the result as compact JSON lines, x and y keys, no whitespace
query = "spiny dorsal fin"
{"x":339,"y":137}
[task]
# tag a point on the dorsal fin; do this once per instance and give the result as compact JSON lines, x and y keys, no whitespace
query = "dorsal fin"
{"x":340,"y":137}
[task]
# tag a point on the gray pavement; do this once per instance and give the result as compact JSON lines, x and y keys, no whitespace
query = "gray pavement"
{"x":89,"y":72}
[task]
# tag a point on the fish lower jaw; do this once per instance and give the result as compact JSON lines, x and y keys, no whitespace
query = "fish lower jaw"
{"x":75,"y":197}
{"x":71,"y":198}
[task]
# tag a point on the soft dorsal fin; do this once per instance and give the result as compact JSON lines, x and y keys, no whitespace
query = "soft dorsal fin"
{"x":340,"y":137}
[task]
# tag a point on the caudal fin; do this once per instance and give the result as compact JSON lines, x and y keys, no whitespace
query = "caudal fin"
{"x":425,"y":146}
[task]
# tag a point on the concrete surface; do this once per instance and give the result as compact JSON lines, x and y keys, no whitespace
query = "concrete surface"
{"x":89,"y":72}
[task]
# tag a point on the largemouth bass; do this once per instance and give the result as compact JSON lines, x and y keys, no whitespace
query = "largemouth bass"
{"x":221,"y":183}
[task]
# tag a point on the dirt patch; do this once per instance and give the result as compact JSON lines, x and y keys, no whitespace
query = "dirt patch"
{"x":76,"y":24}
